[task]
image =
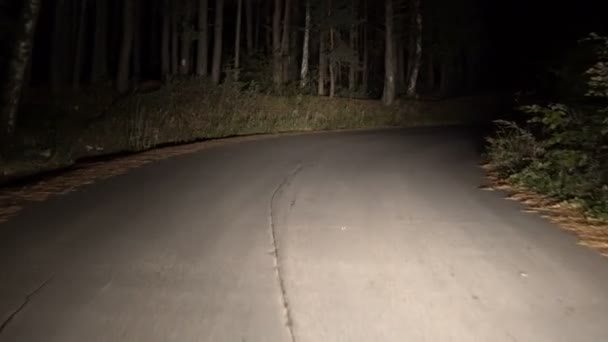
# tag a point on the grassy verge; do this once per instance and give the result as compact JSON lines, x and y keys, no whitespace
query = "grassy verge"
{"x":56,"y":134}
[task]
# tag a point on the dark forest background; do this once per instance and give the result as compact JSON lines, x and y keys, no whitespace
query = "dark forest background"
{"x":468,"y":46}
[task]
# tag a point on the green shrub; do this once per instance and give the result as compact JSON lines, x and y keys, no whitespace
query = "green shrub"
{"x":564,"y":150}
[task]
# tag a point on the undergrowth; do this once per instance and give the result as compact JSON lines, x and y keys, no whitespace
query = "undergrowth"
{"x":562,"y":150}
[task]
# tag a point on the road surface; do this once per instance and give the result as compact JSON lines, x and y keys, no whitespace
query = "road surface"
{"x":353,"y":236}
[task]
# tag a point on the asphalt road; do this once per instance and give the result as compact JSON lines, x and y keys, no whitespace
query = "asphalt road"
{"x":353,"y":236}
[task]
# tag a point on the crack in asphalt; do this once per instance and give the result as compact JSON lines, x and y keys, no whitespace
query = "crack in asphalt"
{"x":275,"y":250}
{"x":29,"y":296}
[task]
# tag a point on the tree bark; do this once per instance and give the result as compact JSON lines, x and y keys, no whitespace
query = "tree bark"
{"x":276,"y":43}
{"x":413,"y":81}
{"x":332,"y":65}
{"x":186,"y":17}
{"x":122,"y":79}
{"x":216,"y":68}
{"x":305,"y":48}
{"x":202,"y":56}
{"x":249,"y":14}
{"x":322,"y":62}
{"x":285,"y":39}
{"x":401,"y":68}
{"x":166,"y":40}
{"x":388,"y":96}
{"x":237,"y":39}
{"x":20,"y":56}
{"x":78,"y":58}
{"x":332,"y":62}
{"x":100,"y":43}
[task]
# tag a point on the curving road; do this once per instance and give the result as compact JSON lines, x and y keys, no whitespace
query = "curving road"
{"x":353,"y":236}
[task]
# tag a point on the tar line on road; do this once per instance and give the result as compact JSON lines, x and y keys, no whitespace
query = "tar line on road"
{"x":275,"y":249}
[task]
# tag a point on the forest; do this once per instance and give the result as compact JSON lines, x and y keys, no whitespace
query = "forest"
{"x":86,"y":78}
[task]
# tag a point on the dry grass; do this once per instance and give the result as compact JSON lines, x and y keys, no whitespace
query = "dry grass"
{"x":186,"y":112}
{"x":592,"y":233}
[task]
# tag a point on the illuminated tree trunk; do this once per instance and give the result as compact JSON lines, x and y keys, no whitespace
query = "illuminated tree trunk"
{"x":322,"y":63}
{"x":332,"y":65}
{"x":202,"y":56}
{"x":276,"y":43}
{"x":122,"y":79}
{"x":305,"y":48}
{"x":20,"y":56}
{"x":413,"y":80}
{"x":332,"y":62}
{"x":388,"y":96}
{"x":285,"y":39}
{"x":216,"y":67}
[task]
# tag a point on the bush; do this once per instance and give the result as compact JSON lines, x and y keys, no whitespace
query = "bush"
{"x":512,"y":149}
{"x":563,"y":152}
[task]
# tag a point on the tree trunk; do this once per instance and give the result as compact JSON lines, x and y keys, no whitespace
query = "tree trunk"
{"x":305,"y":48}
{"x":174,"y":37}
{"x":322,"y":62}
{"x":137,"y":37}
{"x":352,"y":70}
{"x":388,"y":96}
{"x":59,"y":46}
{"x":185,"y":60}
{"x":258,"y":24}
{"x":285,"y":40}
{"x":365,"y":69}
{"x":249,"y":14}
{"x":413,"y":81}
{"x":80,"y":44}
{"x":216,"y":68}
{"x":237,"y":39}
{"x":100,"y":43}
{"x":166,"y":40}
{"x":122,"y":79}
{"x":202,"y":56}
{"x":431,"y":72}
{"x":276,"y":43}
{"x":332,"y":65}
{"x":20,"y":56}
{"x":401,"y":67}
{"x":268,"y":32}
